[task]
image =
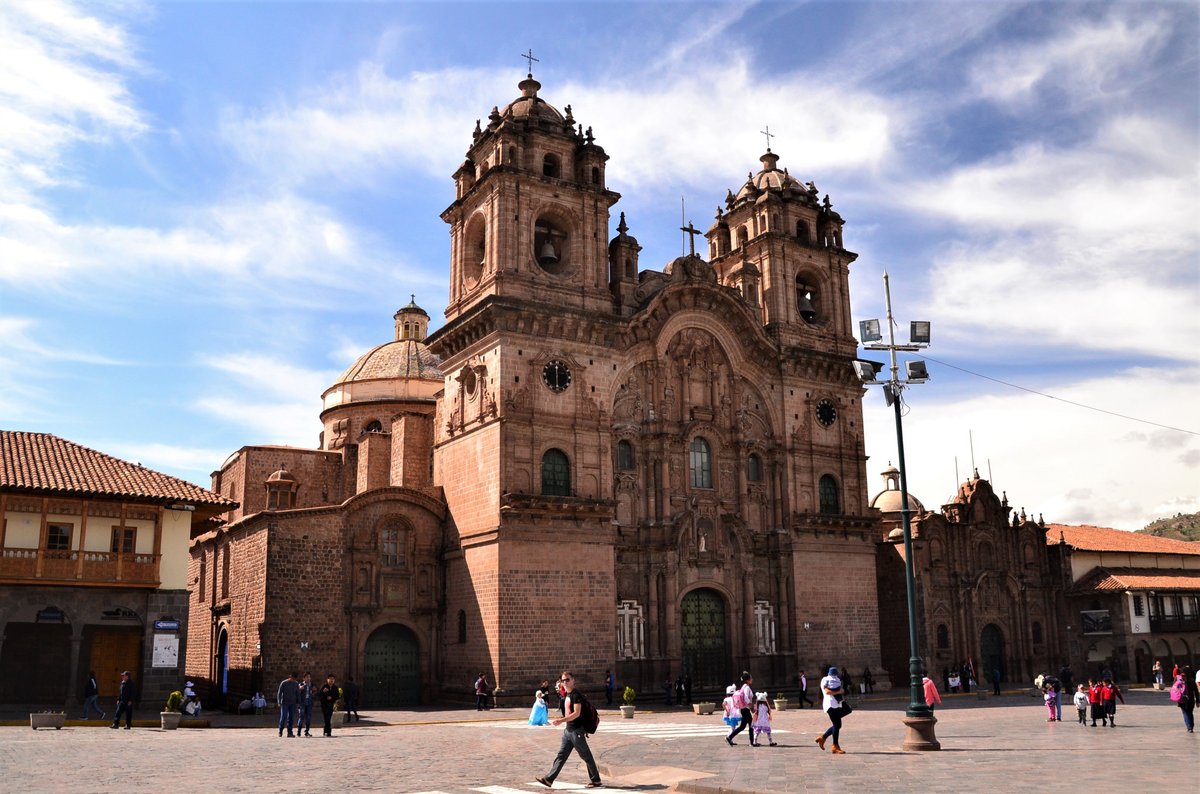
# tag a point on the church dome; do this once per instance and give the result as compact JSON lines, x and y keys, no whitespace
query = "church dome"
{"x":769,"y":178}
{"x":529,"y":104}
{"x":403,"y":369}
{"x":889,"y":500}
{"x":281,"y":476}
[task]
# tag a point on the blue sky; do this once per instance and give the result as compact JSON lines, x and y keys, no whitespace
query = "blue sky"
{"x":208,"y":210}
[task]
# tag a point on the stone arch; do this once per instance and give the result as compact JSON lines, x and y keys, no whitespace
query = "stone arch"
{"x":705,"y":626}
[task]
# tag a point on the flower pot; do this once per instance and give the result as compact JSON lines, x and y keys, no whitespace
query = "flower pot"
{"x":704,"y":708}
{"x":170,"y":719}
{"x":780,"y":704}
{"x":48,"y":719}
{"x":627,"y":712}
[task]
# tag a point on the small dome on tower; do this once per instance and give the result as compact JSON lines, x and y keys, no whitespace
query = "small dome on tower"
{"x":529,"y":104}
{"x":889,"y":499}
{"x":282,"y":475}
{"x":769,"y":178}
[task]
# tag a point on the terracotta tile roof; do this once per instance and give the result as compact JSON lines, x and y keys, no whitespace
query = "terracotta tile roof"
{"x":46,"y":464}
{"x":1120,"y":579}
{"x":1090,"y":538}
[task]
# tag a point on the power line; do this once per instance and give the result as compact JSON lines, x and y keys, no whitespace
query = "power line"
{"x":1061,"y":399}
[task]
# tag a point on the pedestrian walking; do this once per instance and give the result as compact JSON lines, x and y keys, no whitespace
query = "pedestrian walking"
{"x":537,"y":714}
{"x":731,"y":716}
{"x":1111,"y":693}
{"x":804,"y":698}
{"x":679,"y":692}
{"x":1184,"y":695}
{"x":762,"y":719}
{"x":932,"y":698}
{"x":308,"y":695}
{"x":126,"y":695}
{"x":832,"y":703}
{"x":608,"y":686}
{"x":328,"y":695}
{"x":1096,"y":702}
{"x":481,"y":692}
{"x":1081,"y":704}
{"x":743,"y":700}
{"x":288,"y":698}
{"x":350,"y":694}
{"x":574,"y":735}
{"x":91,"y":696}
{"x":995,"y":680}
{"x":868,"y":681}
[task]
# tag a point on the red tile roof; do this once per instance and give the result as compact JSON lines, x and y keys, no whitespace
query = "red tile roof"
{"x":1120,"y":579}
{"x":45,"y":464}
{"x":1088,"y":538}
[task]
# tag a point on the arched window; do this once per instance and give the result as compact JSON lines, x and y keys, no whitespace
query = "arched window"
{"x":807,"y":300}
{"x":551,"y":165}
{"x":701,"y":464}
{"x":556,"y":473}
{"x":624,"y":455}
{"x":754,"y":468}
{"x":374,"y":426}
{"x":943,"y":636}
{"x":391,"y":544}
{"x":828,"y":490}
{"x":462,"y":626}
{"x":1037,"y":633}
{"x":595,"y":175}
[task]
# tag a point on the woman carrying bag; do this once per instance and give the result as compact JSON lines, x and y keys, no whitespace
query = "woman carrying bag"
{"x":835,"y":706}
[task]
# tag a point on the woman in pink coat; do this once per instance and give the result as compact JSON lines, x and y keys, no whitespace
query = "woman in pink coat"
{"x":931,"y":694}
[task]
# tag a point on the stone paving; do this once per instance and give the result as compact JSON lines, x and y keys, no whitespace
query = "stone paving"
{"x":999,"y":743}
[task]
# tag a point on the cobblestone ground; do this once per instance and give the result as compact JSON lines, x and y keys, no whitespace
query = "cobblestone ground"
{"x":1001,"y":743}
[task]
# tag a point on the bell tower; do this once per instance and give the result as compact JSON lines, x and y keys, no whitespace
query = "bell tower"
{"x":530,"y":215}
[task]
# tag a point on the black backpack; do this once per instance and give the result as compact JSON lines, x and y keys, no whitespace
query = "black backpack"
{"x":589,"y":719}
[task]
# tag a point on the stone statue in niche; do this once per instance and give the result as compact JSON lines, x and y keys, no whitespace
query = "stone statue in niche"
{"x":668,"y":402}
{"x":701,"y":546}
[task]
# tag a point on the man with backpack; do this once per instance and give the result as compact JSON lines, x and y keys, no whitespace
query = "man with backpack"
{"x":581,"y":719}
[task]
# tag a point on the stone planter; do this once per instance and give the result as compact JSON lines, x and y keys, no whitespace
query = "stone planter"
{"x":704,"y":708}
{"x":170,"y":719}
{"x":338,"y":719}
{"x":780,"y":704}
{"x":49,"y":719}
{"x":627,"y":712}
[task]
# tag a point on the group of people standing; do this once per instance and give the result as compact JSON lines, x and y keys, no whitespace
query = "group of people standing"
{"x":296,"y":697}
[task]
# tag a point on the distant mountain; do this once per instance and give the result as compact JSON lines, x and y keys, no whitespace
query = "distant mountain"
{"x":1185,"y":526}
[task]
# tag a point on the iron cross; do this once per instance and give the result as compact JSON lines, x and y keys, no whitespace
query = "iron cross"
{"x":767,"y":132}
{"x":691,"y":231}
{"x":529,"y":57}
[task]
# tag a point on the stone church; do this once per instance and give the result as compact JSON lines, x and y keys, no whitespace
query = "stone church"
{"x":590,"y":465}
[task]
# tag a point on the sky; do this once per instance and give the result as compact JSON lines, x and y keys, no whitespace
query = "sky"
{"x":209,"y":210}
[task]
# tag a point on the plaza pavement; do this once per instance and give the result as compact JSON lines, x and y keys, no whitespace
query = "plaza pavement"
{"x":1002,"y":743}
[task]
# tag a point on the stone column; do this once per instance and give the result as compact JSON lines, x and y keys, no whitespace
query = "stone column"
{"x":73,"y":671}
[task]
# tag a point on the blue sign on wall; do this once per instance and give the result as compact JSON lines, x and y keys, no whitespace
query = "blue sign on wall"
{"x":166,"y":625}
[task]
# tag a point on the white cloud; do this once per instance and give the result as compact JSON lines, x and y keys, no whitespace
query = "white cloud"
{"x":276,"y":400}
{"x":16,"y":338}
{"x":1070,"y":464}
{"x":168,"y":457}
{"x":1080,"y":59}
{"x":670,"y":132}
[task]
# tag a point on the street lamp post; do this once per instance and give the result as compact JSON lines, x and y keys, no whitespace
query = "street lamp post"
{"x":919,"y":717}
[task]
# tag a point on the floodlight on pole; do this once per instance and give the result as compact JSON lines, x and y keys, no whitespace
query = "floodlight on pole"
{"x":918,"y":717}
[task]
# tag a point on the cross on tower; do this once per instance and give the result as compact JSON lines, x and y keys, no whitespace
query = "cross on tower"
{"x":529,"y":57}
{"x":691,"y":231}
{"x":767,"y":132}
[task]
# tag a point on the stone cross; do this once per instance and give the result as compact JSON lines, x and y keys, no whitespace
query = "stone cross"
{"x":692,"y":231}
{"x":529,"y":57}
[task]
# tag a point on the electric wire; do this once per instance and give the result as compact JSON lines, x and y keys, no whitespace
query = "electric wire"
{"x":1060,"y":399}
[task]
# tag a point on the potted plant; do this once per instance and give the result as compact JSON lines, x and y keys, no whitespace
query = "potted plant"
{"x":48,"y":719}
{"x":780,"y":702}
{"x":172,"y":713}
{"x":627,"y":698}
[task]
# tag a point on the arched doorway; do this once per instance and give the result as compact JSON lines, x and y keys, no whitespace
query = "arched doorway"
{"x":222,"y":662}
{"x":391,"y":668}
{"x":991,"y":651}
{"x":705,"y":646}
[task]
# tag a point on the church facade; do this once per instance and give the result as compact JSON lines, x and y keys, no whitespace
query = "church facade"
{"x":590,"y":465}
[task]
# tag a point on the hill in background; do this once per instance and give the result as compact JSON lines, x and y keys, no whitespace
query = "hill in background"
{"x":1185,"y":526}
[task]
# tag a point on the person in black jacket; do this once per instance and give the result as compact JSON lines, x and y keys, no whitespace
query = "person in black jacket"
{"x":328,"y":694}
{"x":91,"y":696}
{"x":125,"y":698}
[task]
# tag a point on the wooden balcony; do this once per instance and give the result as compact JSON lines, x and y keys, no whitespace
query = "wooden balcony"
{"x":75,"y":567}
